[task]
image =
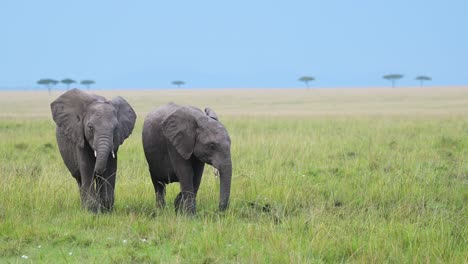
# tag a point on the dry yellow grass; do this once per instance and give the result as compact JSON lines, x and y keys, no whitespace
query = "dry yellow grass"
{"x":440,"y":101}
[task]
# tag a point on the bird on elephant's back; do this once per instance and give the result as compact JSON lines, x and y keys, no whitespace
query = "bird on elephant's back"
{"x":178,"y":141}
{"x":89,"y":131}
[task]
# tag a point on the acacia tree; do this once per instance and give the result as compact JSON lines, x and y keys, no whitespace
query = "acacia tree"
{"x":47,"y":83}
{"x":393,"y":78}
{"x":53,"y":83}
{"x":67,"y":82}
{"x":423,"y":78}
{"x":178,"y":83}
{"x":87,"y":83}
{"x":306,"y":80}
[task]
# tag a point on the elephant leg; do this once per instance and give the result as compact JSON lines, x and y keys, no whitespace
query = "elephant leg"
{"x":198,"y":167}
{"x":186,"y":196}
{"x":159,"y":186}
{"x":160,"y":189}
{"x":87,"y":188}
{"x":105,"y":186}
{"x":185,"y":201}
{"x":177,"y":201}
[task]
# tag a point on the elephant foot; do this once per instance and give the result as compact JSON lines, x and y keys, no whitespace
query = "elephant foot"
{"x":223,"y":207}
{"x":160,"y":202}
{"x":106,"y":205}
{"x":185,"y":203}
{"x":106,"y":208}
{"x":89,"y":201}
{"x":92,"y":208}
{"x":177,"y":201}
{"x":90,"y":205}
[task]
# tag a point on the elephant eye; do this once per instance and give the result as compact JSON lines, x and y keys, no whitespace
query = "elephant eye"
{"x":91,"y":128}
{"x":212,"y":146}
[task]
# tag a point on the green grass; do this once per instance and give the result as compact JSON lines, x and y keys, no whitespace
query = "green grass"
{"x":305,"y":189}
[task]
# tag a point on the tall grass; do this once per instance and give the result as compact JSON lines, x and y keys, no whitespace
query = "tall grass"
{"x":305,"y":189}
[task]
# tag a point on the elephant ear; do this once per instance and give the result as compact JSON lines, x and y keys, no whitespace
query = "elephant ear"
{"x":67,"y":112}
{"x":126,"y":117}
{"x":180,"y":129}
{"x":211,"y":113}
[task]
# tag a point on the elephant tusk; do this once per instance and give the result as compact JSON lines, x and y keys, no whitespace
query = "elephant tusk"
{"x":113,"y":154}
{"x":95,"y":154}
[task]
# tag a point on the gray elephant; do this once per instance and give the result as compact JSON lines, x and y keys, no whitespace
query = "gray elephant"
{"x":89,"y":131}
{"x":178,"y":141}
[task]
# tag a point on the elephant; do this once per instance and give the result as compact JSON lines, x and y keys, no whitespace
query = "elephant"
{"x":89,"y":131}
{"x":178,"y":141}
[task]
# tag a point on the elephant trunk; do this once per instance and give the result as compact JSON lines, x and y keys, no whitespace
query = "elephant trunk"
{"x":103,"y":148}
{"x":225,"y":175}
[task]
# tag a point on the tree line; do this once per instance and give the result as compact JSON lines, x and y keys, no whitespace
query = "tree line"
{"x":49,"y":83}
{"x":393,"y":78}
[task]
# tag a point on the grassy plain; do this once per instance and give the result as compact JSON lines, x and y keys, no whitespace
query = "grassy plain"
{"x":319,"y":176}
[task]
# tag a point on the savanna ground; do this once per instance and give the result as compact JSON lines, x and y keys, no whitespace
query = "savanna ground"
{"x":337,"y":175}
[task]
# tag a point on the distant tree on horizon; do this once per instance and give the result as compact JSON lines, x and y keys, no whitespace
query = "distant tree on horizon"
{"x":67,"y":82}
{"x":178,"y":83}
{"x":53,"y":82}
{"x":422,"y":78}
{"x":47,"y":82}
{"x":393,"y":78}
{"x":87,"y":83}
{"x":306,"y":80}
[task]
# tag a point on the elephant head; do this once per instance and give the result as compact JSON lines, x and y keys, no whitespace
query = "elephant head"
{"x":91,"y":121}
{"x":193,"y":132}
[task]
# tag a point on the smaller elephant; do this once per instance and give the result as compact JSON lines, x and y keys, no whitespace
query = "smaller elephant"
{"x":178,"y":141}
{"x":89,"y":131}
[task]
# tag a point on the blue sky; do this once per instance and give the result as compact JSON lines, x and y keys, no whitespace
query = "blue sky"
{"x":210,"y":44}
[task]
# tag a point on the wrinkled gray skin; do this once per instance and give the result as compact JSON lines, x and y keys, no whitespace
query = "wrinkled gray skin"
{"x":178,"y":141}
{"x":89,"y":131}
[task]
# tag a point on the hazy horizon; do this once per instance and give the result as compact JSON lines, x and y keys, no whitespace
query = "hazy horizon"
{"x":62,"y":89}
